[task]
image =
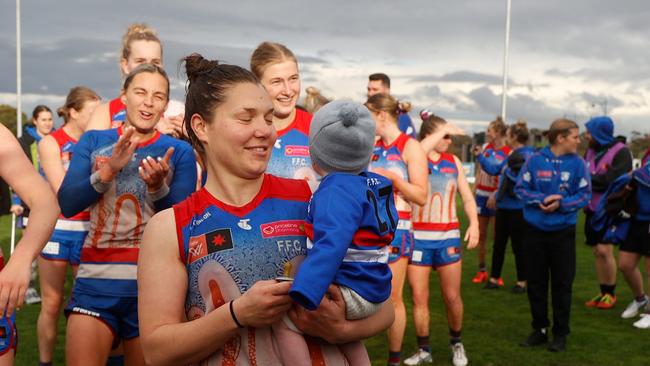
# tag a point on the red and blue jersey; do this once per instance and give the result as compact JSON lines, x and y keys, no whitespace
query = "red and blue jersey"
{"x":389,"y":157}
{"x":487,"y":178}
{"x":118,"y":216}
{"x":290,"y":156}
{"x":227,"y":249}
{"x":545,"y":174}
{"x":350,"y":223}
{"x":436,"y":223}
{"x":76,"y":227}
{"x":508,"y":171}
{"x":117,"y":112}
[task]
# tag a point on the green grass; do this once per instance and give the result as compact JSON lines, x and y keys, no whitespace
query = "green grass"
{"x":495,"y":322}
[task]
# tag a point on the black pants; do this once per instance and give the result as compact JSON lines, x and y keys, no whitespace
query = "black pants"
{"x":509,"y":224}
{"x":554,"y":253}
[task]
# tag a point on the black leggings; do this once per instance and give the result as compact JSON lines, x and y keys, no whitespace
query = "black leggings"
{"x":508,"y":224}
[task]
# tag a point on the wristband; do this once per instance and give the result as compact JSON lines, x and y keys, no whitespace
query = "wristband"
{"x":159,"y":193}
{"x":98,"y":185}
{"x":234,"y":318}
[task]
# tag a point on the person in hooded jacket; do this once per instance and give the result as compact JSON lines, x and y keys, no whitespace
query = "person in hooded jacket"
{"x":607,"y":159}
{"x":554,"y":185}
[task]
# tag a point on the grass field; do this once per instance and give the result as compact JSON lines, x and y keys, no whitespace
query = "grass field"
{"x":495,"y":322}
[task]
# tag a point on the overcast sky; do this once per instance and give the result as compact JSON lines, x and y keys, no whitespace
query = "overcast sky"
{"x":567,"y":58}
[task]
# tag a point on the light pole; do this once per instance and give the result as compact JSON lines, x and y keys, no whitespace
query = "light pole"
{"x":19,"y":86}
{"x":504,"y":94}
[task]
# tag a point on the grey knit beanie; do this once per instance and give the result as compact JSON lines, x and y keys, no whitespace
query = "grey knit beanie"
{"x":342,"y":137}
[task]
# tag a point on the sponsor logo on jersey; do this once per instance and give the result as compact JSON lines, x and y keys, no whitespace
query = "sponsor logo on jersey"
{"x":544,"y":174}
{"x":212,"y":242}
{"x":283,"y":228}
{"x":295,"y":150}
{"x":218,"y":240}
{"x":243,"y":223}
{"x":394,"y":157}
{"x":565,"y":176}
{"x":448,"y":170}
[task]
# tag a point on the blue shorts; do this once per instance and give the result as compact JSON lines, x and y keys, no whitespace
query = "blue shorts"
{"x":401,"y":245}
{"x":63,"y":250}
{"x":119,"y":313}
{"x":481,"y":207}
{"x":431,"y":253}
{"x":8,"y":334}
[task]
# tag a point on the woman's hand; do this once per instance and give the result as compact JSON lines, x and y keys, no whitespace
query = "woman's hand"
{"x":17,"y":210}
{"x":386,"y":173}
{"x":153,"y":172}
{"x":14,"y":280}
{"x":122,"y":154}
{"x":263,"y":304}
{"x":172,"y":126}
{"x":452,"y":129}
{"x":551,"y":203}
{"x":472,"y":236}
{"x":491,"y":202}
{"x":327,"y":322}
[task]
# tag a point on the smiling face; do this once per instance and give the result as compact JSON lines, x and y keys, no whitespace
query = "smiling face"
{"x":282,"y":83}
{"x":569,"y":144}
{"x":376,"y":87}
{"x":240,"y":137}
{"x":145,"y":99}
{"x":44,"y":123}
{"x":142,"y":52}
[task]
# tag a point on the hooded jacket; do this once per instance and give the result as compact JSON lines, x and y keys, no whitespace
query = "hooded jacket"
{"x":545,"y":174}
{"x":602,"y":131}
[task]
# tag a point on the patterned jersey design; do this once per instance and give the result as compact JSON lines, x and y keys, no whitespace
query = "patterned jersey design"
{"x":390,"y":158}
{"x":290,"y":156}
{"x":227,"y":249}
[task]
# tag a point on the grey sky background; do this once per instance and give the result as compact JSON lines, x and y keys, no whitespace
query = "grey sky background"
{"x":567,"y":57}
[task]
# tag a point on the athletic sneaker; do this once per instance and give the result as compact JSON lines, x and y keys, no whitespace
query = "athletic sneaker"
{"x":481,"y":276}
{"x":458,"y":355}
{"x":633,"y":309}
{"x":606,"y":302}
{"x":644,"y":322}
{"x":419,"y":358}
{"x":593,"y":303}
{"x":32,"y":297}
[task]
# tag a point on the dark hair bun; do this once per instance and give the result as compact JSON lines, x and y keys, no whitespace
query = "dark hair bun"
{"x":195,"y":65}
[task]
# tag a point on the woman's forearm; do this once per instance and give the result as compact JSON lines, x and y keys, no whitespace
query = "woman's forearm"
{"x":189,"y":342}
{"x":411,"y":192}
{"x":356,"y":330}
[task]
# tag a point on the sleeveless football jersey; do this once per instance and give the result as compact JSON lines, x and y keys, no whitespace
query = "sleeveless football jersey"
{"x":390,"y":158}
{"x":290,"y":156}
{"x":75,"y":227}
{"x":118,"y":216}
{"x":227,"y":249}
{"x":437,"y":219}
{"x":485,"y":183}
